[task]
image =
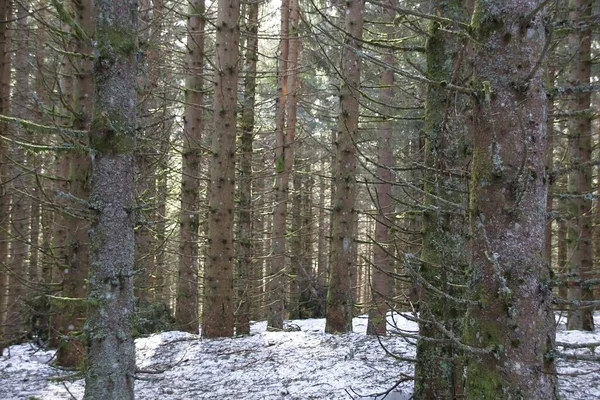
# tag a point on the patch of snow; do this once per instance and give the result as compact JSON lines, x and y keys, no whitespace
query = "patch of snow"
{"x":305,"y":364}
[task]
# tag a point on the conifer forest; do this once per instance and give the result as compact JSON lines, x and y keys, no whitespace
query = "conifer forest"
{"x":299,"y":199}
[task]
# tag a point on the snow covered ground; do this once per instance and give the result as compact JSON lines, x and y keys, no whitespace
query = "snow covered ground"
{"x":304,"y":364}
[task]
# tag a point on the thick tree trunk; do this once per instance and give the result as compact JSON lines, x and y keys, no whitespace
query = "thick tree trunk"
{"x":579,"y":209}
{"x":111,"y":350}
{"x":217,"y":318}
{"x":511,"y":321}
{"x":186,"y":316}
{"x":339,"y":297}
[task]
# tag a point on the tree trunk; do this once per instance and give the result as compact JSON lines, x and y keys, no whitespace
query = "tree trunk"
{"x":111,"y":350}
{"x":438,"y":371}
{"x":20,"y":206}
{"x":339,"y":297}
{"x":217,"y":319}
{"x":579,"y":209}
{"x":511,"y":322}
{"x":276,"y":284}
{"x":71,"y":308}
{"x":247,"y":282}
{"x":381,"y":280}
{"x":186,"y":316}
{"x":5,"y":76}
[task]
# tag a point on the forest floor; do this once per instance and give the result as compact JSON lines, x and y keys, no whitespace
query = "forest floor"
{"x":302,"y":364}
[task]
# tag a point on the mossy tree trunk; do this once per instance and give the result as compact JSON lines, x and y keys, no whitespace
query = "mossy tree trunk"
{"x":579,"y":186}
{"x":186,"y":316}
{"x":381,"y":279}
{"x":339,"y":296}
{"x":111,"y":351}
{"x":512,"y":322}
{"x":438,"y":371}
{"x":217,"y":318}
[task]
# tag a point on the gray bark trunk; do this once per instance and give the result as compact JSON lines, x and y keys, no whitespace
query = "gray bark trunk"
{"x":512,"y":321}
{"x":111,"y":350}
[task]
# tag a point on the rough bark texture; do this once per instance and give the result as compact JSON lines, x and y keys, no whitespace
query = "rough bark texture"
{"x":111,"y":350}
{"x":217,"y":318}
{"x":438,"y":371}
{"x":186,"y":316}
{"x":512,"y":322}
{"x":339,"y":297}
{"x":381,"y":280}
{"x":579,"y":187}
{"x":247,"y":277}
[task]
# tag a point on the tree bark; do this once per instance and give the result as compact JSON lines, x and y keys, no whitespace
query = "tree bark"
{"x":276,"y":284}
{"x":5,"y":78}
{"x":186,"y":316}
{"x":21,"y":204}
{"x":217,"y":319}
{"x":71,"y":311}
{"x":438,"y":371}
{"x":381,"y":280}
{"x":247,"y":276}
{"x":579,"y":208}
{"x":511,"y":322}
{"x":339,"y":297}
{"x":111,"y":350}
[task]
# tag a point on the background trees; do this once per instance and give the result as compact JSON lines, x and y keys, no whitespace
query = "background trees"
{"x":334,"y":157}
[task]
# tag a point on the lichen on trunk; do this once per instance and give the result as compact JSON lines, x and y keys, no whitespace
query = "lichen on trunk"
{"x":509,"y":279}
{"x":111,"y":351}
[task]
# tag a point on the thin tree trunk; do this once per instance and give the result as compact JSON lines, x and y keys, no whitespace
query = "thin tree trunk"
{"x":71,"y":308}
{"x":339,"y":297}
{"x":322,"y":229}
{"x":20,"y":206}
{"x":247,"y":277}
{"x":5,"y":76}
{"x":111,"y":350}
{"x":381,"y":282}
{"x":295,"y":246}
{"x":186,"y":316}
{"x":510,"y":322}
{"x":276,"y":284}
{"x":579,"y":226}
{"x":217,"y":318}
